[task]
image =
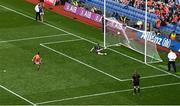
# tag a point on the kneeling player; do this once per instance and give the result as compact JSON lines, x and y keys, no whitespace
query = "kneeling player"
{"x":37,"y":60}
{"x":98,"y":50}
{"x":135,"y":81}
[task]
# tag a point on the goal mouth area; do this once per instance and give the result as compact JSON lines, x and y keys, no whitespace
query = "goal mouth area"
{"x":117,"y":34}
{"x":151,"y":58}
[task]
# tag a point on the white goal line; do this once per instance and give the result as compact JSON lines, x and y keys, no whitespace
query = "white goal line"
{"x":106,"y":93}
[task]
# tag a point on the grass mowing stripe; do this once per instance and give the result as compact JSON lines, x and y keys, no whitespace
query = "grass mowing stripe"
{"x":39,"y":37}
{"x":107,"y":93}
{"x":81,"y":62}
{"x":89,"y":41}
{"x":18,"y":95}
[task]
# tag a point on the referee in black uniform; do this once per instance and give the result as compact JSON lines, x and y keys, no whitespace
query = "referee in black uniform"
{"x":136,"y":81}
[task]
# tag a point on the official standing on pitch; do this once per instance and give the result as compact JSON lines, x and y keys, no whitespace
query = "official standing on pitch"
{"x":37,"y":10}
{"x":172,"y":57}
{"x":136,"y":82}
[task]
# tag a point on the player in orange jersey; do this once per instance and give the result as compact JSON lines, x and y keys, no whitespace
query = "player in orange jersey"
{"x":37,"y":60}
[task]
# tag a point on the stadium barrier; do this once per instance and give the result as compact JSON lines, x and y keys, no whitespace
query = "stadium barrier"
{"x":83,"y":12}
{"x":161,"y":40}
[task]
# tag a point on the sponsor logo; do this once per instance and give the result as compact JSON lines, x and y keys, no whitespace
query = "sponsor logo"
{"x":149,"y":36}
{"x":152,"y":37}
{"x":166,"y":42}
{"x":83,"y":12}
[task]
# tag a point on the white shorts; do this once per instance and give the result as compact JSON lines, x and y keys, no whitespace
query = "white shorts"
{"x":37,"y":63}
{"x":41,"y":13}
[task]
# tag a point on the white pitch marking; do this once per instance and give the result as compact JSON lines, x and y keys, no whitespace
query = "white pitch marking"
{"x":18,"y":95}
{"x":87,"y":40}
{"x":107,"y":93}
{"x":153,"y":76}
{"x":73,"y":40}
{"x":83,"y":38}
{"x":144,"y":63}
{"x":58,"y":52}
{"x":39,"y":37}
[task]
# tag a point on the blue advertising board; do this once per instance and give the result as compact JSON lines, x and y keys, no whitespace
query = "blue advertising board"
{"x":160,"y":40}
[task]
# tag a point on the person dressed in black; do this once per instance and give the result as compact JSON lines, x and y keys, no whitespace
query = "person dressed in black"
{"x":98,"y":49}
{"x":136,"y":82}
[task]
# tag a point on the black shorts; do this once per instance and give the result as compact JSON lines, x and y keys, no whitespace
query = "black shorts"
{"x":135,"y":83}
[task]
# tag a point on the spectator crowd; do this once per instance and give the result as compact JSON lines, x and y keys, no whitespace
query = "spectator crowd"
{"x":168,"y":11}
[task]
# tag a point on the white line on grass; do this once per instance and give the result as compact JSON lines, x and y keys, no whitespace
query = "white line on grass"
{"x":52,"y":26}
{"x":106,"y":93}
{"x":18,"y":95}
{"x":144,"y":63}
{"x":87,"y":40}
{"x":17,"y":12}
{"x":39,"y":37}
{"x":84,"y":39}
{"x":91,"y":41}
{"x":73,"y":40}
{"x":58,"y":52}
{"x":153,"y":76}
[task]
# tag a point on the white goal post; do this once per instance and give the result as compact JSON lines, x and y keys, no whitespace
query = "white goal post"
{"x":116,"y":33}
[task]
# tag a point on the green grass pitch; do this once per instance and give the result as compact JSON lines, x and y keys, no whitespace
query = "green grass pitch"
{"x":70,"y":74}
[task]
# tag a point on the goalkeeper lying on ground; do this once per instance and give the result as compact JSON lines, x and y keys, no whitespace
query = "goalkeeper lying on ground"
{"x":98,"y":49}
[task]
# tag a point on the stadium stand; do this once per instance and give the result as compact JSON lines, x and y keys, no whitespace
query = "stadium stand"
{"x":136,"y":14}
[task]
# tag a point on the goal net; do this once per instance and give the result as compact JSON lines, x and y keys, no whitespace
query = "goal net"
{"x":116,"y":33}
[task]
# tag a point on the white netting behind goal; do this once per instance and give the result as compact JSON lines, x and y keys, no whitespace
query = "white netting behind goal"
{"x":118,"y":34}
